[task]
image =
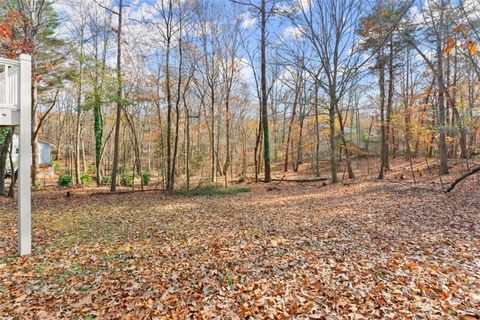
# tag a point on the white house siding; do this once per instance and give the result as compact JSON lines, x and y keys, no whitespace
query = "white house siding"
{"x":44,"y":154}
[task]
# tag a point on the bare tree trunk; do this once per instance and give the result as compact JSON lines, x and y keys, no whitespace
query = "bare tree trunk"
{"x":317,"y":134}
{"x":177,"y":112}
{"x":3,"y":159}
{"x":442,"y":142}
{"x":227,"y":133}
{"x":289,"y":132}
{"x":136,"y":142}
{"x":187,"y":158}
{"x":407,"y":116}
{"x":113,"y":186}
{"x":298,"y":160}
{"x":381,"y":84}
{"x":391,"y":74}
{"x":257,"y":147}
{"x":11,"y":190}
{"x":351,"y":175}
{"x":266,"y":141}
{"x":333,"y":156}
{"x":35,"y":155}
{"x":213,"y":163}
{"x":78,"y":131}
{"x":244,"y":155}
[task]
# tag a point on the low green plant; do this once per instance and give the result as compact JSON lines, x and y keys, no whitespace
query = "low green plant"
{"x":214,"y":190}
{"x":65,"y":179}
{"x":146,"y":178}
{"x":126,"y":180}
{"x":106,"y":180}
{"x":55,"y":166}
{"x":37,"y":186}
{"x":85,"y":179}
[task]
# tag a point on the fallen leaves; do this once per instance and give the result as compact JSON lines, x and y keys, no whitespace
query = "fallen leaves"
{"x":367,"y":251}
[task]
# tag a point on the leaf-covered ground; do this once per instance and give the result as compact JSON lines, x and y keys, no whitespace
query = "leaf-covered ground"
{"x":370,"y":250}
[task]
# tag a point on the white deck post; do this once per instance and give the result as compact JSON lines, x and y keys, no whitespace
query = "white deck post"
{"x":24,"y":227}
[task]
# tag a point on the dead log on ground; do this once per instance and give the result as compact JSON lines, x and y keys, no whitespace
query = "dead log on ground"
{"x":466,"y":175}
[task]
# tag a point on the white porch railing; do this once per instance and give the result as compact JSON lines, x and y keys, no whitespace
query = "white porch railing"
{"x":9,"y":83}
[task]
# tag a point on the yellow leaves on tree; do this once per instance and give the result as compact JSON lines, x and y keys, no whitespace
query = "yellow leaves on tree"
{"x":472,"y":47}
{"x":469,"y":44}
{"x":450,"y":45}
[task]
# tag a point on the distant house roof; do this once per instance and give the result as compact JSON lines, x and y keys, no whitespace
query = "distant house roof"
{"x":43,"y":141}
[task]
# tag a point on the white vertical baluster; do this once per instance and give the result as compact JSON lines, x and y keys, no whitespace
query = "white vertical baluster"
{"x":6,"y":86}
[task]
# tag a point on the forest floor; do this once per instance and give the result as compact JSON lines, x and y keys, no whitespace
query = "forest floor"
{"x":362,"y":250}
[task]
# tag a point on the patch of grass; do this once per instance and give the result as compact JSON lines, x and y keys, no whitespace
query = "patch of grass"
{"x":213,"y":190}
{"x":85,"y":288}
{"x":228,"y":279}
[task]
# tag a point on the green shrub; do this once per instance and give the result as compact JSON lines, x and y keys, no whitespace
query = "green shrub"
{"x":55,"y":166}
{"x":146,"y":178}
{"x":37,"y":186}
{"x":65,"y":179}
{"x":126,"y":180}
{"x":85,"y":179}
{"x":106,"y":180}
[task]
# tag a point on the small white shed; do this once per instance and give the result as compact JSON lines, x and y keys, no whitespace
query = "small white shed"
{"x":45,"y":149}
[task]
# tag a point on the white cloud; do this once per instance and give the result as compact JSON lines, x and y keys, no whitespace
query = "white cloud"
{"x":247,"y":21}
{"x":246,"y":72}
{"x":303,"y":4}
{"x":292,"y":32}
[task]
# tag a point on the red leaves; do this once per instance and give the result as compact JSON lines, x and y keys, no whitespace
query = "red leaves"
{"x":5,"y":32}
{"x":13,"y":39}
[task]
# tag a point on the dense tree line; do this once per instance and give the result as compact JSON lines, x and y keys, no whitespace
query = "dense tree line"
{"x":240,"y":89}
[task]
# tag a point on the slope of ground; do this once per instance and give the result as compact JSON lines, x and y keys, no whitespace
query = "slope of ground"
{"x":371,"y":250}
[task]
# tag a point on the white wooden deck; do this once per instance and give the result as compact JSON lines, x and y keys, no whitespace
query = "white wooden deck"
{"x":16,"y":110}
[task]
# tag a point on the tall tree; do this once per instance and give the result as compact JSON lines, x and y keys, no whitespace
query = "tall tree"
{"x":119,"y":95}
{"x":434,"y":26}
{"x":329,"y":26}
{"x":265,"y":11}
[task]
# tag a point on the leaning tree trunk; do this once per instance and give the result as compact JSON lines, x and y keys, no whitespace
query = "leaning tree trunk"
{"x":466,"y":175}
